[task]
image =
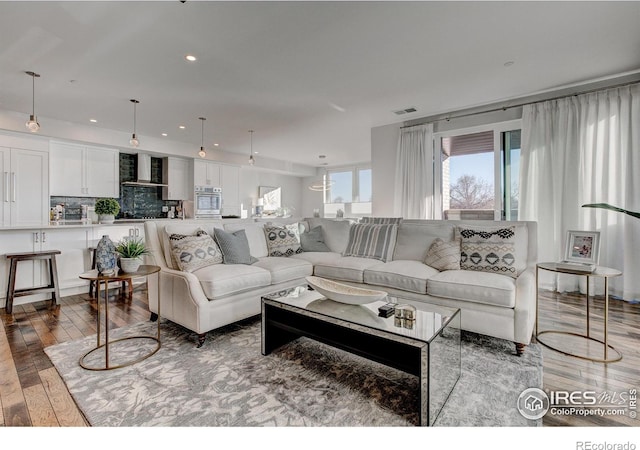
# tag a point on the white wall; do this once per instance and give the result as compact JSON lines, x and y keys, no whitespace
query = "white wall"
{"x":311,"y":199}
{"x":252,"y":178}
{"x":384,"y":145}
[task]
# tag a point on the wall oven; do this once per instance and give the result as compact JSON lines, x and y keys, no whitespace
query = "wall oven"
{"x":208,"y":202}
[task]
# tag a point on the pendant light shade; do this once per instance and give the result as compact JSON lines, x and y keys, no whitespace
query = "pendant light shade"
{"x":252,"y":160}
{"x":32,"y":124}
{"x":134,"y":142}
{"x":202,"y":153}
{"x":323,"y":184}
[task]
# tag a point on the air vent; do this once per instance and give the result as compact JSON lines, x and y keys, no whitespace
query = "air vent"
{"x":405,"y":111}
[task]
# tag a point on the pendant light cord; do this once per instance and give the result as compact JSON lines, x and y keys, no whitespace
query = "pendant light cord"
{"x":33,"y":95}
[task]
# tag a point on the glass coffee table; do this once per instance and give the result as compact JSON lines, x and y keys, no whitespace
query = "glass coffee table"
{"x":426,"y":343}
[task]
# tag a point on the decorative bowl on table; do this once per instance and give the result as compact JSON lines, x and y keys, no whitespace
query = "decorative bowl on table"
{"x":344,"y":293}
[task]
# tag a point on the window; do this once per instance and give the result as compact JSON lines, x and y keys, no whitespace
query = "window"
{"x":479,"y":176}
{"x":350,"y":192}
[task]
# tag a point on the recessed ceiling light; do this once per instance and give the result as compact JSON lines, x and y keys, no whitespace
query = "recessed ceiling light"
{"x":182,"y":127}
{"x":164,"y":134}
{"x":190,"y":58}
{"x":93,"y":120}
{"x":216,"y":145}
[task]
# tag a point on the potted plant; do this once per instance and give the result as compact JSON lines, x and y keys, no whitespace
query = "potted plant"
{"x":107,"y":208}
{"x":131,"y":252}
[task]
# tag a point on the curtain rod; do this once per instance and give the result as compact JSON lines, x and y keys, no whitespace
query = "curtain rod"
{"x":504,"y":108}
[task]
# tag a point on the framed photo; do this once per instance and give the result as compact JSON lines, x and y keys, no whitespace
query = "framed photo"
{"x":582,"y":247}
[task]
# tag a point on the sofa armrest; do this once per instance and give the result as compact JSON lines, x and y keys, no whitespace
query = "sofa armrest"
{"x":525,"y":308}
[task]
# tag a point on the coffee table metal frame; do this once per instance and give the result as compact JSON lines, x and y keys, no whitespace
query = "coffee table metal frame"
{"x":283,"y":322}
{"x":101,"y":279}
{"x":599,"y":272}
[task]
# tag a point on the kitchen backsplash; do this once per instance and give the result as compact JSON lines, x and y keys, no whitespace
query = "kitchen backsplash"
{"x":136,"y":202}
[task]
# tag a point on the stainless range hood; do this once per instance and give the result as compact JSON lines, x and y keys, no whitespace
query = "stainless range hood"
{"x":144,"y":173}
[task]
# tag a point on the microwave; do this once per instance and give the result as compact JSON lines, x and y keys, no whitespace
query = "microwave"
{"x":207,"y":202}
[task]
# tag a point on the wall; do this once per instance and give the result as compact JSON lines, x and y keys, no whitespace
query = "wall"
{"x":384,"y":145}
{"x":252,"y":178}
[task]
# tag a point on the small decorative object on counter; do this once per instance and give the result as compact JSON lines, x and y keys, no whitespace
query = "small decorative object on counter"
{"x":316,"y":213}
{"x":107,"y":208}
{"x":106,"y":256}
{"x":339,"y":213}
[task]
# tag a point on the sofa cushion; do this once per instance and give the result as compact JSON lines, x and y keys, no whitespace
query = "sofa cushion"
{"x":372,"y":241}
{"x":221,"y":280}
{"x":345,"y":268}
{"x":234,"y":247}
{"x":382,"y":220}
{"x":444,"y":255}
{"x":477,"y":287}
{"x":313,"y":241}
{"x":488,"y":249}
{"x":181,"y":228}
{"x":414,"y":239}
{"x":194,"y":252}
{"x":283,"y":240}
{"x":285,"y":269}
{"x":315,"y":258}
{"x":335,"y":232}
{"x":255,"y":237}
{"x":406,"y":275}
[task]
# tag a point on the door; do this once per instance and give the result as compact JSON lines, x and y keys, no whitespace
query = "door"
{"x":5,"y":187}
{"x":30,"y":187}
{"x":102,"y":172}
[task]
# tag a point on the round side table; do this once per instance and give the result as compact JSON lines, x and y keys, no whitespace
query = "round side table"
{"x":599,"y":272}
{"x":93,"y":275}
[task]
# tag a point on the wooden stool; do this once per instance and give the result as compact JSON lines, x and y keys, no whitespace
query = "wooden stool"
{"x":92,"y":284}
{"x":49,"y":255}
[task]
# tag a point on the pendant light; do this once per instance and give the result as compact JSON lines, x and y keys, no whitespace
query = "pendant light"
{"x":134,"y":142}
{"x":323,"y":184}
{"x":202,"y":153}
{"x":33,"y":125}
{"x":252,"y":160}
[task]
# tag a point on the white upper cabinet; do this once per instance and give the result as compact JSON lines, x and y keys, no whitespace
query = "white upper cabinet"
{"x":84,"y":171}
{"x":206,"y":173}
{"x":176,"y":175}
{"x":25,"y":187}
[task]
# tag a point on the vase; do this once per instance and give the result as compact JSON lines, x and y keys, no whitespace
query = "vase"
{"x":129,"y":265}
{"x":107,"y":218}
{"x":105,"y":256}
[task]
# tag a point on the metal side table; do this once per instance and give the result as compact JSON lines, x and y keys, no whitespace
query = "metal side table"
{"x":599,"y":272}
{"x":92,"y":275}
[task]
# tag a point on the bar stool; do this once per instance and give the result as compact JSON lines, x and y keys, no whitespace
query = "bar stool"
{"x":15,"y":258}
{"x":92,"y":284}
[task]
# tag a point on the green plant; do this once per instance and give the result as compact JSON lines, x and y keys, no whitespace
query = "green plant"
{"x":612,"y":208}
{"x":131,"y":248}
{"x":107,"y":206}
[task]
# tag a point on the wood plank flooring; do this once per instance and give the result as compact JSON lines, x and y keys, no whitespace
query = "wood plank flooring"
{"x":33,"y":394}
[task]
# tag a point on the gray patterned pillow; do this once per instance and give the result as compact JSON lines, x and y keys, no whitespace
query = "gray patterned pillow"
{"x":283,"y":240}
{"x":488,"y":249}
{"x":372,"y":241}
{"x":444,"y":255}
{"x":194,"y":252}
{"x":234,"y":247}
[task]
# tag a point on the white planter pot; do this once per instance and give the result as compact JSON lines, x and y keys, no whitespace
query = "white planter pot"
{"x":107,"y":218}
{"x":129,"y":265}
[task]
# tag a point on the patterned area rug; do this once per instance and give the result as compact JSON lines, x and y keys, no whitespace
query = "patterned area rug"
{"x":228,"y":382}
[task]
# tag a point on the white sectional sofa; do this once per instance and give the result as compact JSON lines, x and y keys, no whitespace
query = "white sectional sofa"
{"x":493,"y":304}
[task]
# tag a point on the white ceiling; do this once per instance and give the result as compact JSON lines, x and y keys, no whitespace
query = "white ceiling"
{"x":309,"y":77}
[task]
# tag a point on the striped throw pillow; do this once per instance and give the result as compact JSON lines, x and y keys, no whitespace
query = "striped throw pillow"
{"x":382,"y":220}
{"x":372,"y":241}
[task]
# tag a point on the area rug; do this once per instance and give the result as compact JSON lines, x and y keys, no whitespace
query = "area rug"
{"x":227,"y":382}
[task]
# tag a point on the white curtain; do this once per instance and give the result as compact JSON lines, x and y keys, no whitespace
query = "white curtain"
{"x":414,"y":182}
{"x":578,"y":150}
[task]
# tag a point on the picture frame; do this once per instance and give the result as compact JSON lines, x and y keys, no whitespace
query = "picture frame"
{"x":582,"y":247}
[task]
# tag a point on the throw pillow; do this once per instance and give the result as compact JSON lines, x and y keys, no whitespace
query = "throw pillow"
{"x":313,"y":241}
{"x":488,"y":249}
{"x":444,"y":255}
{"x":372,"y":241}
{"x":194,"y":252}
{"x":283,"y":240}
{"x":234,"y":247}
{"x":382,"y":220}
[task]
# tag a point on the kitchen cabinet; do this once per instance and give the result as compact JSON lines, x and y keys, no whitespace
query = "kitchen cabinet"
{"x":25,"y":187}
{"x":206,"y":173}
{"x":230,"y":184}
{"x":84,"y":171}
{"x":176,"y":176}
